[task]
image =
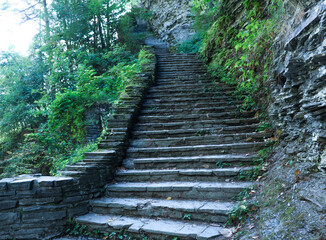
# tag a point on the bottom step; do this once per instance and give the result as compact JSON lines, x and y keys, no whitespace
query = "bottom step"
{"x":156,"y":229}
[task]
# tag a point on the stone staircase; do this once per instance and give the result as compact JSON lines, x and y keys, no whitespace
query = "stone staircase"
{"x":179,"y":176}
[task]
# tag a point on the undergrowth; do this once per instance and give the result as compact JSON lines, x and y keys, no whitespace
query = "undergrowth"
{"x":238,"y":54}
{"x":243,"y":209}
{"x":77,"y":229}
{"x":42,"y":113}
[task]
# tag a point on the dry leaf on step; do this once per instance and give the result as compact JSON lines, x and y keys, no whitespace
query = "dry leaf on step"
{"x":226,"y":232}
{"x":206,"y":166}
{"x":297,"y":172}
{"x":251,"y":226}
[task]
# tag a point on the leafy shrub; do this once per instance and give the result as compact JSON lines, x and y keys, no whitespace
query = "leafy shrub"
{"x":242,"y":54}
{"x":192,"y":45}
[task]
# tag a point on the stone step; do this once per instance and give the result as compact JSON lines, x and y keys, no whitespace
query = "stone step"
{"x":192,"y":175}
{"x":190,"y":100}
{"x":195,"y":162}
{"x":205,"y":211}
{"x":169,"y":56}
{"x":182,"y":67}
{"x":158,"y":229}
{"x":180,"y":72}
{"x":178,"y":190}
{"x":81,"y":167}
{"x":168,"y":82}
{"x":175,"y":133}
{"x":190,"y":110}
{"x":101,"y":154}
{"x":208,"y":87}
{"x":151,"y":105}
{"x":182,"y":80}
{"x":99,"y":161}
{"x":213,"y":95}
{"x":194,"y":117}
{"x":107,"y":144}
{"x":180,"y":63}
{"x":73,"y":174}
{"x":114,"y":134}
{"x":180,"y":75}
{"x":195,"y":124}
{"x":197,"y":150}
{"x":198,"y":140}
{"x":177,"y":85}
{"x":176,"y":90}
{"x":175,"y":69}
{"x":177,"y":62}
{"x":178,"y":59}
{"x":184,"y":57}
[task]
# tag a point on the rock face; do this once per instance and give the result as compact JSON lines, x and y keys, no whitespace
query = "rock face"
{"x":171,"y":19}
{"x":299,"y":94}
{"x":298,"y":112}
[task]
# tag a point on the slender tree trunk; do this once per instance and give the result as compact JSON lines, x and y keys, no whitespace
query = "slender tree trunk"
{"x":100,"y":31}
{"x":47,"y":21}
{"x":108,"y":28}
{"x":95,"y":34}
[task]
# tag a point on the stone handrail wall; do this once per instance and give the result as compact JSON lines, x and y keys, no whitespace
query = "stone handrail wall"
{"x":38,"y":207}
{"x":94,"y":120}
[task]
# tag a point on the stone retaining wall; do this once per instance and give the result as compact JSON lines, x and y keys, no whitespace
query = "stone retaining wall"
{"x":94,"y":117}
{"x":38,"y":207}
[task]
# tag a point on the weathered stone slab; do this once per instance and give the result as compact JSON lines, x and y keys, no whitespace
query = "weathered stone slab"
{"x":7,"y":218}
{"x":164,"y":227}
{"x":43,"y":216}
{"x":8,"y":204}
{"x":39,"y":201}
{"x":23,"y":184}
{"x":209,"y":233}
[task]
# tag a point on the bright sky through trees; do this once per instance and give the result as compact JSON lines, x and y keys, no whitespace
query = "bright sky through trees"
{"x":13,"y":32}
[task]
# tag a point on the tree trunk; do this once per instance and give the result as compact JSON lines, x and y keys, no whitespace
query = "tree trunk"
{"x":99,"y":23}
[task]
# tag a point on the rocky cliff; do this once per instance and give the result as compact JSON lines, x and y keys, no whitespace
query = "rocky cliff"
{"x":171,"y":19}
{"x":293,"y":202}
{"x":298,"y":112}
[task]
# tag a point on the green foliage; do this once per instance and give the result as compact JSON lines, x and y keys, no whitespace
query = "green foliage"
{"x":91,"y":25}
{"x":221,"y":164}
{"x":250,"y":175}
{"x":127,"y":34}
{"x":187,"y":217}
{"x":67,"y":115}
{"x":264,"y":126}
{"x":77,"y":60}
{"x":243,"y":209}
{"x":76,"y":229}
{"x":204,"y":12}
{"x":240,"y":213}
{"x":242,"y":54}
{"x":192,"y":45}
{"x":74,"y":156}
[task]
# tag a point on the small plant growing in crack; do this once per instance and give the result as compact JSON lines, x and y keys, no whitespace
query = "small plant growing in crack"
{"x":187,"y":217}
{"x":221,"y":164}
{"x":251,"y":174}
